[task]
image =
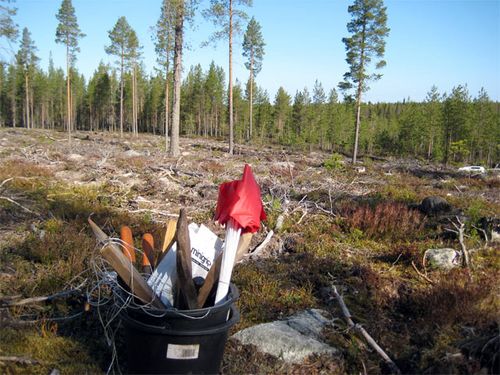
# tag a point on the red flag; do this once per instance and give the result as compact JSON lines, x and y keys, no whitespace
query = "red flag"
{"x":240,"y":200}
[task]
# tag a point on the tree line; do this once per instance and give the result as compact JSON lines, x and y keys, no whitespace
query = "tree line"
{"x":123,"y":97}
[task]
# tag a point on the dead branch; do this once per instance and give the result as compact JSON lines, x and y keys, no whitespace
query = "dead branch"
{"x":460,"y":231}
{"x":304,"y":213}
{"x":485,"y":234}
{"x":421,"y":274}
{"x":5,"y":181}
{"x":362,"y":331}
{"x":18,"y":204}
{"x":20,"y":360}
{"x":9,"y":301}
{"x":259,"y":249}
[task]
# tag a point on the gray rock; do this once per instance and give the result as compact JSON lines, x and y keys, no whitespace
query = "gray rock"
{"x":292,"y":339}
{"x":442,"y":258}
{"x":434,"y":205}
{"x":75,"y":157}
{"x":131,"y":154}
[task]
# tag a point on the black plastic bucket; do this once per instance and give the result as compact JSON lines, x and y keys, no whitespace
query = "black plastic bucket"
{"x":176,"y":349}
{"x":185,"y":319}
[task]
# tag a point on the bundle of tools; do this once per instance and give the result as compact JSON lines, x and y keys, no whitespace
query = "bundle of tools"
{"x":192,"y":268}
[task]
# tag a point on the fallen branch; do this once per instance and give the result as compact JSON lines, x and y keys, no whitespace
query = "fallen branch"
{"x":9,"y":302}
{"x":20,"y":360}
{"x":421,"y":274}
{"x":18,"y":204}
{"x":5,"y":181}
{"x":362,"y":331}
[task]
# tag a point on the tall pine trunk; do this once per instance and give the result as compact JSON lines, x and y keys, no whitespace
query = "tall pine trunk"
{"x":121,"y":95}
{"x":134,"y":104}
{"x":32,"y":109}
{"x":176,"y":105}
{"x":27,"y":101}
{"x":358,"y":123}
{"x":231,"y":124}
{"x":167,"y":99}
{"x":251,"y":95}
{"x":68,"y":92}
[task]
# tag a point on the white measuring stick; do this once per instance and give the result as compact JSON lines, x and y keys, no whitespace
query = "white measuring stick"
{"x":233,"y":232}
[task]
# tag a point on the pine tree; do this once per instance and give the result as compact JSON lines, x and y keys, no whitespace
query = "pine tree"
{"x":164,"y":44}
{"x":368,"y":28}
{"x":253,"y":49}
{"x":120,"y":46}
{"x":8,"y":28}
{"x":67,"y":33}
{"x":184,"y":11}
{"x":226,"y":15}
{"x":134,"y":54}
{"x":27,"y":60}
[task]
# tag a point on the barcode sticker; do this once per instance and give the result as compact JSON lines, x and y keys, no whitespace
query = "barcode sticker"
{"x":183,"y":351}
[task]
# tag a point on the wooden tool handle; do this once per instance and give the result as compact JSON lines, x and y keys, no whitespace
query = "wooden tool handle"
{"x":122,"y":265}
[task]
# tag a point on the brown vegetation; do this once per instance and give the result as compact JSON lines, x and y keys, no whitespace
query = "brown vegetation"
{"x":359,"y":228}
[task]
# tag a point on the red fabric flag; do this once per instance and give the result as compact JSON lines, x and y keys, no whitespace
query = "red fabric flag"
{"x":240,"y":200}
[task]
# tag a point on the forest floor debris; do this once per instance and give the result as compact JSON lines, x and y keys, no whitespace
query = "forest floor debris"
{"x":362,"y":228}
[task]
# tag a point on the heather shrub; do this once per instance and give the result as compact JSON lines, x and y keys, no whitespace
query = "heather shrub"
{"x":385,"y":219}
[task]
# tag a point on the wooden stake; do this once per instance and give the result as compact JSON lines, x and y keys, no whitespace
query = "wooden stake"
{"x":148,"y":246}
{"x":185,"y":282}
{"x":128,"y":239}
{"x":169,"y":235}
{"x":122,"y":265}
{"x":168,"y":240}
{"x":243,"y":246}
{"x":125,"y":269}
{"x":213,"y":274}
{"x":211,"y":279}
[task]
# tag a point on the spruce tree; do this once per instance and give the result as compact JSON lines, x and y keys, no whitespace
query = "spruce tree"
{"x":253,"y":50}
{"x":368,"y":29}
{"x":67,"y":33}
{"x":317,"y":127}
{"x":433,"y":120}
{"x":226,"y":15}
{"x":456,"y":121}
{"x":281,"y":112}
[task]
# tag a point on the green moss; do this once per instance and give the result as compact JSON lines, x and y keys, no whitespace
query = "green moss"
{"x":50,"y":350}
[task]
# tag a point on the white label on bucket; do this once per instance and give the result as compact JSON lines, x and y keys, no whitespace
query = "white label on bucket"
{"x":183,"y":351}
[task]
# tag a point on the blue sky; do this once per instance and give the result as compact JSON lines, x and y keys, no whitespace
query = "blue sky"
{"x":432,"y":42}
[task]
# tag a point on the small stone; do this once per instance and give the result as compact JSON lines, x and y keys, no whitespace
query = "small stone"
{"x":442,"y":258}
{"x":75,"y":157}
{"x":131,"y":154}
